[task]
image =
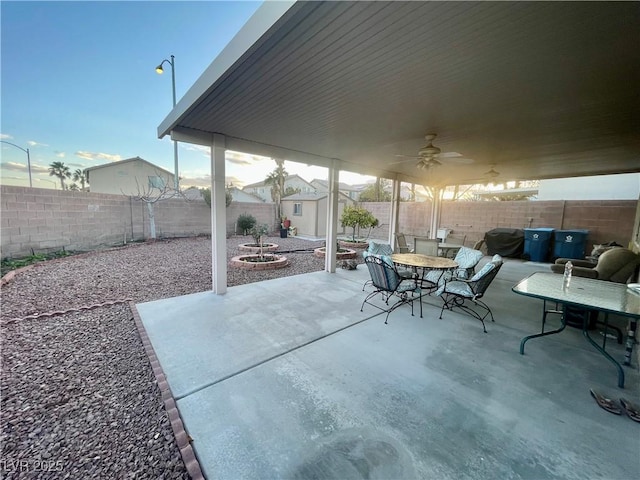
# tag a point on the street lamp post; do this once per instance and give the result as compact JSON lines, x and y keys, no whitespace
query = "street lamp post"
{"x":160,"y":71}
{"x":28,"y":158}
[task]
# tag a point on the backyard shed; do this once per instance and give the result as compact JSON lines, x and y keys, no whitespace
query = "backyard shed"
{"x":308,"y":212}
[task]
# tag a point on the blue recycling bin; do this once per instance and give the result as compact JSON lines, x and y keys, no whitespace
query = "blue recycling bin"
{"x":569,"y":243}
{"x":537,"y":242}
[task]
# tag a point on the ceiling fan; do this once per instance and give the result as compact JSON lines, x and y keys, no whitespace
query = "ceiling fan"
{"x":430,"y":156}
{"x":492,"y":173}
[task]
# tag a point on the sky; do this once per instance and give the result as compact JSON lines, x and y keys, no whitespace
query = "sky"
{"x":79,"y":86}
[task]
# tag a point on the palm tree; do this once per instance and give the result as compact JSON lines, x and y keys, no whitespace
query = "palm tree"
{"x":60,"y":170}
{"x":80,"y":176}
{"x":276,"y":180}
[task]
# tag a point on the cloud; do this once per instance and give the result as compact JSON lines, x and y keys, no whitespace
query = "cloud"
{"x":13,"y":166}
{"x":60,"y":154}
{"x":4,"y":136}
{"x":97,"y":156}
{"x":205,"y":151}
{"x":243,"y":159}
{"x":21,"y":167}
{"x":39,"y":169}
{"x":203,"y":181}
{"x":33,"y":143}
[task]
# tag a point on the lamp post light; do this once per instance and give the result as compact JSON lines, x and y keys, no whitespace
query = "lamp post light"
{"x":55,"y":185}
{"x":160,"y":71}
{"x":28,"y":159}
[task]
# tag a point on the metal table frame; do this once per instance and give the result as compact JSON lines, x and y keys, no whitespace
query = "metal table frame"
{"x":588,"y":294}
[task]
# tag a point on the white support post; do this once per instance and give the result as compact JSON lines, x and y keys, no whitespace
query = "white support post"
{"x":394,"y":214}
{"x":218,"y":216}
{"x":332,"y":219}
{"x":436,"y":209}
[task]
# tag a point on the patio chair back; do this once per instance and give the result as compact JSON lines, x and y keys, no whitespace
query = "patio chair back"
{"x":401,"y":244}
{"x":467,"y":259}
{"x":466,"y":294}
{"x":388,"y":282}
{"x":383,"y":274}
{"x":377,"y":248}
{"x":425,"y":246}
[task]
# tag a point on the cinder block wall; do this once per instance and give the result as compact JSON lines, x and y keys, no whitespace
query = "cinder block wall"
{"x":44,"y":220}
{"x":48,"y":220}
{"x":606,"y":220}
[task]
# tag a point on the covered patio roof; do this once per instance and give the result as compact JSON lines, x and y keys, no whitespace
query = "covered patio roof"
{"x":537,"y":89}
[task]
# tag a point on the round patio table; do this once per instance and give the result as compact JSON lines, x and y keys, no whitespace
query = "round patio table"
{"x":425,"y":262}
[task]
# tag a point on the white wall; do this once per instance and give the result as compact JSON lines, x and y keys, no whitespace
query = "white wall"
{"x":625,"y":186}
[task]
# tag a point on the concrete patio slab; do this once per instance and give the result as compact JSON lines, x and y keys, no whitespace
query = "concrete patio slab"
{"x":301,"y":396}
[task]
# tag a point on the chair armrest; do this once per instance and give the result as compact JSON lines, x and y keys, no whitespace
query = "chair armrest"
{"x":577,"y":271}
{"x":585,"y":272}
{"x":576,"y":262}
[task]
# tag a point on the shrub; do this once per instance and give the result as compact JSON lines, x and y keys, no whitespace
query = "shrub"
{"x":246,"y":222}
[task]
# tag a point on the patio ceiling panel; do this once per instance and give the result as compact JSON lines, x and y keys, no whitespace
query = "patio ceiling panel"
{"x":542,"y":89}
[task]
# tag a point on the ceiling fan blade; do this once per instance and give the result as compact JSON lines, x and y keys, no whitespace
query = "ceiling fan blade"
{"x":449,"y":155}
{"x":406,"y":159}
{"x":458,"y":160}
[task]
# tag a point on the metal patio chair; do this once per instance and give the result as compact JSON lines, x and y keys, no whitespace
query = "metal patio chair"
{"x":401,"y":244}
{"x":466,"y":294}
{"x":426,"y":246}
{"x":390,"y":285}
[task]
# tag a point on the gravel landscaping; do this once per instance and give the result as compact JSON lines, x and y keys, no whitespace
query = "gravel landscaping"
{"x":78,"y":396}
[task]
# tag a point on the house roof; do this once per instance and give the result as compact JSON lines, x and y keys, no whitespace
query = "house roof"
{"x":341,"y":185}
{"x":538,"y":89}
{"x":120,"y":163}
{"x":289,"y":177}
{"x":310,"y":197}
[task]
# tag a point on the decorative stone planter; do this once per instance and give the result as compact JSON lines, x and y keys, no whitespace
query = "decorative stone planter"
{"x":349,"y":244}
{"x":251,"y":248}
{"x":245,"y":261}
{"x":347,"y":254}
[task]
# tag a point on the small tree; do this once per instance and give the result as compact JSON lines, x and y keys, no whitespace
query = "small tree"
{"x":257,"y":232}
{"x":357,"y":218}
{"x":206,"y":194}
{"x":246,"y":222}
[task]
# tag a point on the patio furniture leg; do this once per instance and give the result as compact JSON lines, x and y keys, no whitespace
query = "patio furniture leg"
{"x":543,"y":333}
{"x":631,"y":334}
{"x":585,"y":332}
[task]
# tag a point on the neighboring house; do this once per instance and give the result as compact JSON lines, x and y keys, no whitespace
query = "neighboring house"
{"x":308,"y":213}
{"x":262,"y":190}
{"x":133,"y":176}
{"x":351,"y":191}
{"x":193,"y":193}
{"x":242,"y":196}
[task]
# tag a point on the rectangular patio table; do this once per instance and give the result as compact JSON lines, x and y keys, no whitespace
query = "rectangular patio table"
{"x":588,"y":294}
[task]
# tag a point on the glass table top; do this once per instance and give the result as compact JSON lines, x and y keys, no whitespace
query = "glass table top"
{"x":585,"y":292}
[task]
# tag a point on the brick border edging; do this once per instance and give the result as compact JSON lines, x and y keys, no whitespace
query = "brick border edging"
{"x":182,"y":438}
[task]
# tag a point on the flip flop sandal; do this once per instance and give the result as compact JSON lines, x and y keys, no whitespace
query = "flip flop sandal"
{"x":606,"y":403}
{"x":631,"y":410}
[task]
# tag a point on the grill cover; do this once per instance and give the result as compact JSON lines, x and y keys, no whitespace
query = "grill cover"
{"x":507,"y":242}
